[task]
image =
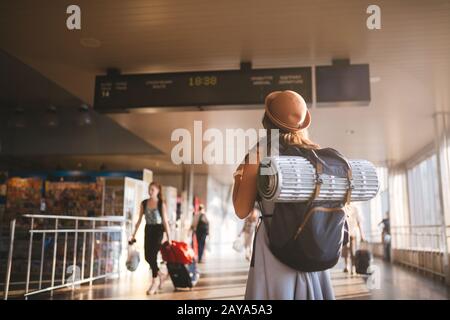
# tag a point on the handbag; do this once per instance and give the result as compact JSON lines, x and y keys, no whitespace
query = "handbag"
{"x":133,"y":257}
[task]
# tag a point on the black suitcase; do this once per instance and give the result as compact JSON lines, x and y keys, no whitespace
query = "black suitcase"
{"x":363,"y":259}
{"x":183,"y":275}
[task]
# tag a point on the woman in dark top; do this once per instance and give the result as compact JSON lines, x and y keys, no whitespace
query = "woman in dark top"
{"x":155,"y":212}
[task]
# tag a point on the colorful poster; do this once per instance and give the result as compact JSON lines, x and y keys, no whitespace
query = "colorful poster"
{"x":23,"y":195}
{"x":74,"y":198}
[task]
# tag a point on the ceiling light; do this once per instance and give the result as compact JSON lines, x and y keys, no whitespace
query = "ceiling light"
{"x":375,"y":79}
{"x":90,"y":42}
{"x":349,"y":131}
{"x":51,"y":117}
{"x":84,"y":117}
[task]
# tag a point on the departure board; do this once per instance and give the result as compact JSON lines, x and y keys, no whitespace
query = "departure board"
{"x":208,"y":88}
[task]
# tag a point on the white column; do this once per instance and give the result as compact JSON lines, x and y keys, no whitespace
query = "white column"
{"x":443,"y":164}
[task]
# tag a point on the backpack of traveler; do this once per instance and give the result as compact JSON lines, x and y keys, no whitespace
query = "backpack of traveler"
{"x":308,"y":236}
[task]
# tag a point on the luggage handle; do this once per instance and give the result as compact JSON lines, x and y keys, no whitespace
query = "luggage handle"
{"x":168,"y":244}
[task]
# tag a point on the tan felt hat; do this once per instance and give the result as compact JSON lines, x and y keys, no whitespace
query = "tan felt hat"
{"x":287,"y":110}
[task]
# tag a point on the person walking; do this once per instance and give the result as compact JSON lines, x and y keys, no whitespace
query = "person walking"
{"x":354,"y":222}
{"x":155,"y":212}
{"x":201,"y":229}
{"x":268,"y":277}
{"x":386,"y":238}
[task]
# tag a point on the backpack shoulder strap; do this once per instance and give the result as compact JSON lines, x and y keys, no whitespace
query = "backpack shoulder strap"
{"x":348,"y":195}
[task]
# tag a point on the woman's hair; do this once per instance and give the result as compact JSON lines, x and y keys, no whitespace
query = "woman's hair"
{"x":299,"y":138}
{"x":160,"y":196}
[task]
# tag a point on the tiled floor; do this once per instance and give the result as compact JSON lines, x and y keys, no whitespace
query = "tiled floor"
{"x":224,"y":277}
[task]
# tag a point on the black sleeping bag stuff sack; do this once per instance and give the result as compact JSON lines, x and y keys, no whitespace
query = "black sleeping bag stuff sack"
{"x":309,"y":236}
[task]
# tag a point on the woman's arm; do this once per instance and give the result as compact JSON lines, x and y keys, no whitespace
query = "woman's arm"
{"x":244,"y":190}
{"x":361,"y":232}
{"x":138,"y":223}
{"x":166,"y":221}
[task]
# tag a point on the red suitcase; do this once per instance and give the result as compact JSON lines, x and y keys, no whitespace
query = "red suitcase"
{"x":177,"y":252}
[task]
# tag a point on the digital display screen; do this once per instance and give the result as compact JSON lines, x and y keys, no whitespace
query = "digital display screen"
{"x":234,"y":87}
{"x":343,"y":83}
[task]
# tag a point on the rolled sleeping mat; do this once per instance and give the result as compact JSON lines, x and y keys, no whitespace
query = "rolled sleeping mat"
{"x":293,"y":179}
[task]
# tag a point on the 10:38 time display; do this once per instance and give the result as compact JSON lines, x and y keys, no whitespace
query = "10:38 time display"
{"x":205,"y":81}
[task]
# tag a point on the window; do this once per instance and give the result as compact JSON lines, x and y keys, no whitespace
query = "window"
{"x":399,"y":214}
{"x":423,"y":188}
{"x":424,"y":229}
{"x":375,"y":210}
{"x":445,"y":176}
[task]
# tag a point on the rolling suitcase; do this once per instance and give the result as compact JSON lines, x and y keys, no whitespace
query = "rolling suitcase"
{"x":181,"y":265}
{"x":183,"y":275}
{"x":363,"y":259}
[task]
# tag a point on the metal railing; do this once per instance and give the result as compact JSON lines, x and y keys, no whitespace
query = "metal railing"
{"x":419,"y":238}
{"x":104,"y":233}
